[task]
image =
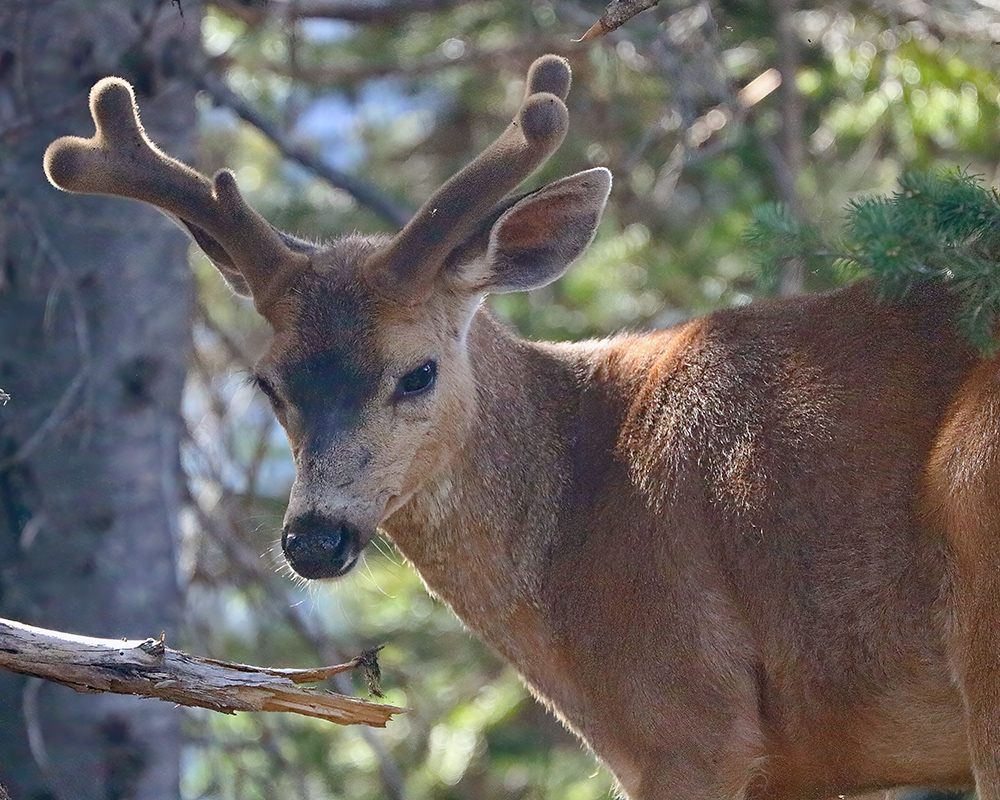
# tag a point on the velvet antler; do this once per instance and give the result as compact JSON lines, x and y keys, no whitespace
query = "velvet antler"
{"x":120,"y":160}
{"x":406,"y":268}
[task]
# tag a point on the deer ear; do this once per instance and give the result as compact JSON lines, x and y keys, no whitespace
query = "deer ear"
{"x":223,"y":262}
{"x":219,"y":257}
{"x":537,"y":238}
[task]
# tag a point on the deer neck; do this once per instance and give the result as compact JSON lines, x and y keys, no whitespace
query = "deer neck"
{"x":481,"y":531}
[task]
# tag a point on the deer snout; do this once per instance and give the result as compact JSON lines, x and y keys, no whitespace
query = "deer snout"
{"x":319,"y":547}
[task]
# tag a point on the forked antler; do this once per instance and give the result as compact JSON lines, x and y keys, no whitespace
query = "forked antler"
{"x":406,"y":268}
{"x":121,"y":160}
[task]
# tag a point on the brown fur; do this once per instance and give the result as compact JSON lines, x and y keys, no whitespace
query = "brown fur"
{"x":702,"y":547}
{"x":963,"y":500}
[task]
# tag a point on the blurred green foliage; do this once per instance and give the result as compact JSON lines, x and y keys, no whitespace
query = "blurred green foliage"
{"x":869,"y":92}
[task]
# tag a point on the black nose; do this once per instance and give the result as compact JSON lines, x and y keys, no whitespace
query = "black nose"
{"x":317,"y":547}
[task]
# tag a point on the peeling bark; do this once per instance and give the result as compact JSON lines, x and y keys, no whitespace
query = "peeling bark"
{"x":148,"y":668}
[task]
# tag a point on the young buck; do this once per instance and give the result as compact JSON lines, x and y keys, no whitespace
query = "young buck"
{"x":753,"y":556}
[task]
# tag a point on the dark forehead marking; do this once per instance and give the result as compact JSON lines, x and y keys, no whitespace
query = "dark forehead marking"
{"x":335,"y":367}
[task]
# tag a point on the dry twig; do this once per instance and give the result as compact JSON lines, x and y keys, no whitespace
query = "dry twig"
{"x":617,"y":14}
{"x":149,"y":668}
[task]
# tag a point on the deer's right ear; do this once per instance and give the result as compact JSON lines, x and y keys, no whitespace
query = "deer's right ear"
{"x":537,"y":238}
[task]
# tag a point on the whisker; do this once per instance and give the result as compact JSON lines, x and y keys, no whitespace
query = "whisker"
{"x":374,"y":581}
{"x":386,"y":548}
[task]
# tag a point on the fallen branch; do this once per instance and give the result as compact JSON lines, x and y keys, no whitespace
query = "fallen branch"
{"x":149,"y":668}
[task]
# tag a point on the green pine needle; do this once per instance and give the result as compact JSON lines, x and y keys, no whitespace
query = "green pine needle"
{"x":777,"y":236}
{"x":940,"y":226}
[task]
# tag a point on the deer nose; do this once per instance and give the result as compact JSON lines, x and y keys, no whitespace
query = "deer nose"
{"x":318,"y":547}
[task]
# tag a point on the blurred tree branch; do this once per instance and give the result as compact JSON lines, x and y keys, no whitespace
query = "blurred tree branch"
{"x":972,"y":23}
{"x":367,"y":196}
{"x":255,"y":11}
{"x":689,"y":57}
{"x":617,"y":14}
{"x":357,"y":72}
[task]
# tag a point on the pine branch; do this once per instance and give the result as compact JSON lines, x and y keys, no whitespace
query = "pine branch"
{"x":776,"y":236}
{"x":942,"y":227}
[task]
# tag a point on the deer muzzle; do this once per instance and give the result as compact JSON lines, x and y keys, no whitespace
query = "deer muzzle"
{"x":317,"y":546}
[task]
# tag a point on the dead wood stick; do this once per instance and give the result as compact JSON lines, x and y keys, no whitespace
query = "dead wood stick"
{"x":617,"y":14}
{"x":148,"y":668}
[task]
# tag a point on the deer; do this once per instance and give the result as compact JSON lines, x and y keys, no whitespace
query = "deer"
{"x":753,"y":556}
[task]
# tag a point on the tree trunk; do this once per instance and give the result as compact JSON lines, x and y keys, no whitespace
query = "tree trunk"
{"x":95,"y":298}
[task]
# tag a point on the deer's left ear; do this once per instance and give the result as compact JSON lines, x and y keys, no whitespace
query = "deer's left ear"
{"x":537,"y":238}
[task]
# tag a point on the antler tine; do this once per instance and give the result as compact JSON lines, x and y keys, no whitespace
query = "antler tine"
{"x":405,"y":269}
{"x":120,"y":160}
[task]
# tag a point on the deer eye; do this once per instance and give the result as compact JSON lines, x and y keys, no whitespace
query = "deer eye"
{"x":417,"y":381}
{"x":267,"y":388}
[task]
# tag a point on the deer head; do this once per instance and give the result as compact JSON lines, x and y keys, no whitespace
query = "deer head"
{"x":367,"y":370}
